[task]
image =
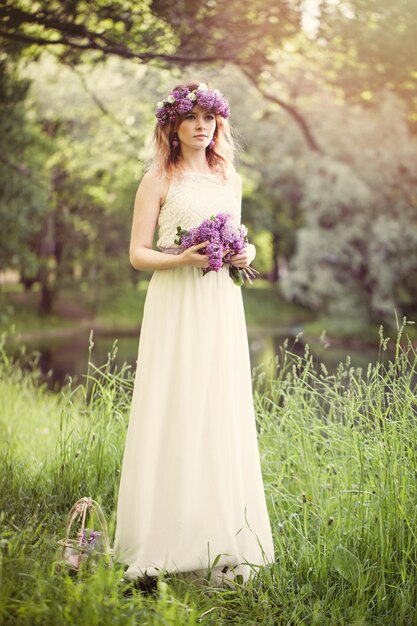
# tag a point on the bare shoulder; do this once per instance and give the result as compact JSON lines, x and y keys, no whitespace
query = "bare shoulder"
{"x":152,"y":174}
{"x":154,"y":183}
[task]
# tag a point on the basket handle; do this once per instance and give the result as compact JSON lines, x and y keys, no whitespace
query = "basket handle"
{"x":80,"y":509}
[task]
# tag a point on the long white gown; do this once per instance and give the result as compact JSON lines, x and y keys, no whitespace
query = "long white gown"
{"x":191,"y":486}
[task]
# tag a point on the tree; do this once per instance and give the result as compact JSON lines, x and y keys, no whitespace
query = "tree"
{"x":370,"y":46}
{"x":23,"y":195}
{"x":246,"y":33}
{"x":358,"y":243}
{"x":238,"y":31}
{"x":69,"y":174}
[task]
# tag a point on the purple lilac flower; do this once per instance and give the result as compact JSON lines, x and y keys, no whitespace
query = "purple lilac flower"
{"x":186,"y":241}
{"x":93,"y":536}
{"x":230,"y":234}
{"x":223,"y":235}
{"x":181,"y":101}
{"x":91,"y":539}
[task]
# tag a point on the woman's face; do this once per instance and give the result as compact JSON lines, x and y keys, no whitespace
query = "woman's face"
{"x":197,"y":128}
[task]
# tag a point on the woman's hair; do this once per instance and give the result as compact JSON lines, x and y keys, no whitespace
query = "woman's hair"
{"x":167,"y":158}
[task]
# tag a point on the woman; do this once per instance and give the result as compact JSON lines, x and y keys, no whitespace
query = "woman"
{"x":191,"y":489}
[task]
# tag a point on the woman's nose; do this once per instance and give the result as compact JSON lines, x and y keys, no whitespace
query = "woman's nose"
{"x":201,"y":123}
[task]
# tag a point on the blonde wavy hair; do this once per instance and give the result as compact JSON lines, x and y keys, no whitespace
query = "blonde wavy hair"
{"x":167,"y":159}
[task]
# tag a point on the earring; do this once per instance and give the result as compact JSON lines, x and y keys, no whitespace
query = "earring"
{"x":212,"y":142}
{"x":175,"y":143}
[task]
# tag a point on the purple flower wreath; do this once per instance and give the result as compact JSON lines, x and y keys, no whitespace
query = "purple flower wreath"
{"x":181,"y":101}
{"x":223,"y":237}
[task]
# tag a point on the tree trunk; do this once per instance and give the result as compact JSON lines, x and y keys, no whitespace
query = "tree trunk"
{"x":27,"y":281}
{"x":47,"y":299}
{"x":47,"y":247}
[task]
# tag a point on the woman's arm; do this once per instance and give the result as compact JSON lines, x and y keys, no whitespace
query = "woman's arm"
{"x":149,"y":196}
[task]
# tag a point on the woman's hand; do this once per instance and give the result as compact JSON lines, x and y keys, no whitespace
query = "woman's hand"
{"x":192,"y":257}
{"x":245,"y":258}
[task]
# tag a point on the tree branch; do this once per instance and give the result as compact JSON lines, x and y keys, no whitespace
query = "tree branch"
{"x":116,"y":49}
{"x":291,"y":110}
{"x":77,"y":36}
{"x":20,"y":169}
{"x":101,"y":106}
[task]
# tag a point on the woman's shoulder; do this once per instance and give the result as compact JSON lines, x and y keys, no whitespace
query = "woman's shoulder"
{"x":153,"y":179}
{"x":154,"y":176}
{"x":153,"y":185}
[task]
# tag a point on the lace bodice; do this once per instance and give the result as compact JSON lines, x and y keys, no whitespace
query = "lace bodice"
{"x":191,"y":200}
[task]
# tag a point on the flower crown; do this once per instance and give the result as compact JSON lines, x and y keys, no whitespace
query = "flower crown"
{"x":181,"y":101}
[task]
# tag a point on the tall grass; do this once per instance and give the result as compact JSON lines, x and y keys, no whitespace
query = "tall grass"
{"x":339,"y":458}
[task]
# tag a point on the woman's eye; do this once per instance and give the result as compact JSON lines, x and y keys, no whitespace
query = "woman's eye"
{"x":210,"y":117}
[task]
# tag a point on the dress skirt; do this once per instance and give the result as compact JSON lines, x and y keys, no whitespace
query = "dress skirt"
{"x":191,"y":488}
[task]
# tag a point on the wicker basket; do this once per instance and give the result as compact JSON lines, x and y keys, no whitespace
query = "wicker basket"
{"x":90,"y":544}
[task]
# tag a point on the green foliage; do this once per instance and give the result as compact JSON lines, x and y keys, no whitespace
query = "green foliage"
{"x":339,"y":463}
{"x":342,"y":222}
{"x":359,"y":237}
{"x":341,"y":235}
{"x":23,"y":192}
{"x":347,"y":565}
{"x":90,"y":173}
{"x":76,"y":27}
{"x":371,"y":47}
{"x":263,"y":242}
{"x":242,"y":31}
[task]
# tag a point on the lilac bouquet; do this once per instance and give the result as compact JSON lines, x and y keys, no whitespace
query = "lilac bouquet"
{"x":225,"y":240}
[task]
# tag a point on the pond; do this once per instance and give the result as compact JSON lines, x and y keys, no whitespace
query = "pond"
{"x":68,"y":356}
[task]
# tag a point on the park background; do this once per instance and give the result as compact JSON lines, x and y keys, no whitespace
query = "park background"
{"x":324,"y":106}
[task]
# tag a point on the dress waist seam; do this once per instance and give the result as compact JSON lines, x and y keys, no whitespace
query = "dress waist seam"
{"x":171,"y":250}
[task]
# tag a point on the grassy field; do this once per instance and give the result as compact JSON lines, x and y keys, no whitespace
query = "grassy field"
{"x":339,"y":460}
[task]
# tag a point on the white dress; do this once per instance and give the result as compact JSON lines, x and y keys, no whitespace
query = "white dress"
{"x":191,"y":486}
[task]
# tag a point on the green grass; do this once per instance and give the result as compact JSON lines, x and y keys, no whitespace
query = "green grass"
{"x":122,"y":305}
{"x":339,"y":459}
{"x":275,"y":312}
{"x":21,"y":309}
{"x":344,"y":329}
{"x":28,"y":416}
{"x":119,"y":306}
